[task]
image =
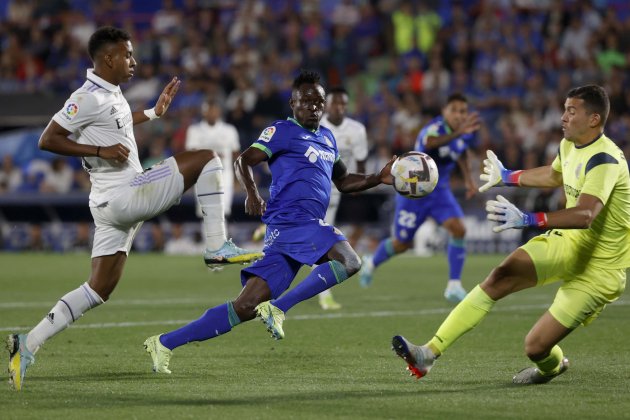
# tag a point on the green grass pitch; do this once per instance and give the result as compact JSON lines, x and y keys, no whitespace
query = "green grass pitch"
{"x":330,"y":365}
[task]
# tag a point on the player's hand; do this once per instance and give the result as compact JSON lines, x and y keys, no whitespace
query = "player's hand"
{"x":492,"y":168}
{"x":386,"y":173}
{"x":471,"y":123}
{"x":255,"y":206}
{"x":167,"y":95}
{"x":117,"y":152}
{"x":507,"y":213}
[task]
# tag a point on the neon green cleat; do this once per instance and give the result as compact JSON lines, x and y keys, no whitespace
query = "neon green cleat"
{"x":328,"y":302}
{"x":229,"y":253}
{"x":160,"y":355}
{"x":272,"y":317}
{"x":19,"y":359}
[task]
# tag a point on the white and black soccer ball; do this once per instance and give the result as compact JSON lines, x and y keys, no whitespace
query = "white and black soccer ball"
{"x":415,"y":174}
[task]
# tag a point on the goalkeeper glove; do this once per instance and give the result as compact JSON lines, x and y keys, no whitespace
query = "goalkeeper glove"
{"x":495,"y":173}
{"x":503,"y":211}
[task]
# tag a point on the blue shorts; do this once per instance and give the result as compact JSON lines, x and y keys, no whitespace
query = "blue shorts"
{"x":440,"y":205}
{"x":287,"y":248}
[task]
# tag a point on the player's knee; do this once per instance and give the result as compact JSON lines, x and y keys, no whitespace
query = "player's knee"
{"x":352,"y":265}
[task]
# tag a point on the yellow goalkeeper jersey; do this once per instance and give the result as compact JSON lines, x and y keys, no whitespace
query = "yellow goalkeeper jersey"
{"x":600,"y":169}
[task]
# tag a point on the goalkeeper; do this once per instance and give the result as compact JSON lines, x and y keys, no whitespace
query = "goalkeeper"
{"x":587,"y":245}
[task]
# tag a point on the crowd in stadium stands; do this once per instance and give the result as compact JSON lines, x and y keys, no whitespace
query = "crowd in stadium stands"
{"x":514,"y":60}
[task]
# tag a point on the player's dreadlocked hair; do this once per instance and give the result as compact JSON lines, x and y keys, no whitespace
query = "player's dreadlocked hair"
{"x":104,"y":36}
{"x":595,"y":100}
{"x":306,"y":76}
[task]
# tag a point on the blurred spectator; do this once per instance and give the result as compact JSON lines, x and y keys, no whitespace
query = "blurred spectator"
{"x":180,"y":243}
{"x":59,"y":178}
{"x":10,"y":175}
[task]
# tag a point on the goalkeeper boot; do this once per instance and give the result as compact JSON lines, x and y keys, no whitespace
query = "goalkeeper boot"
{"x":272,"y":317}
{"x":327,"y":301}
{"x":367,"y":271}
{"x":229,"y":253}
{"x":419,"y":358}
{"x":19,"y":359}
{"x":454,"y":292}
{"x":160,"y":355}
{"x":532,"y":375}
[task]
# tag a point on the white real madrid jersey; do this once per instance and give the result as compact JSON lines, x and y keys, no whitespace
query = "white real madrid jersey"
{"x":98,"y":114}
{"x":351,"y":139}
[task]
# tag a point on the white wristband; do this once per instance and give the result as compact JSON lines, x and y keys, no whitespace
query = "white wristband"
{"x":150,"y":113}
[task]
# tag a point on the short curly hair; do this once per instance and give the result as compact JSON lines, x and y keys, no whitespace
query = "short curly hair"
{"x":306,"y":76}
{"x":104,"y":36}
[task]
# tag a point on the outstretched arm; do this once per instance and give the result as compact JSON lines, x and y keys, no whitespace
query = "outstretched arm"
{"x":349,"y":183}
{"x":162,"y":104}
{"x":254,"y":204}
{"x":579,"y":217}
{"x":495,"y":174}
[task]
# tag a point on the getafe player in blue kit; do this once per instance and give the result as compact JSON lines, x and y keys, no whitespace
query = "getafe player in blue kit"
{"x":303,"y":159}
{"x":446,"y":139}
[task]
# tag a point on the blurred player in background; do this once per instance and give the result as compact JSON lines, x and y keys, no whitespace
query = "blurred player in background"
{"x":96,"y":124}
{"x":352,"y":144}
{"x":587,"y":246}
{"x":303,"y":159}
{"x":447,"y":139}
{"x":215,"y":134}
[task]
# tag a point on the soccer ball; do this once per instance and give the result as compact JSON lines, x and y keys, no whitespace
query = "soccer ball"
{"x":415,"y":174}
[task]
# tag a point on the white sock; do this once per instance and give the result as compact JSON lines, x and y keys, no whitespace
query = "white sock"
{"x":69,"y":308}
{"x":325,"y":293}
{"x":454,"y":283}
{"x":209,"y":190}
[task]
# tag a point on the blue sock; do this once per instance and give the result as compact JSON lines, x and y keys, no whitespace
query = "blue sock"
{"x":213,"y":323}
{"x":456,"y":254}
{"x":321,"y":278}
{"x":384,"y":252}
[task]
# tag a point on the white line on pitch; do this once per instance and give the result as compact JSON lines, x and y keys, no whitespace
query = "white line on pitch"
{"x":340,"y":315}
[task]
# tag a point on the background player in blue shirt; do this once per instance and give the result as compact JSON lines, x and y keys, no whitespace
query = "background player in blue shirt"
{"x":304,"y":160}
{"x":446,"y":139}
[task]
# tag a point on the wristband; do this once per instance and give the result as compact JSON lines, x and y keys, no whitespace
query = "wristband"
{"x":538,"y":219}
{"x":98,"y":151}
{"x":511,"y":178}
{"x":150,"y":113}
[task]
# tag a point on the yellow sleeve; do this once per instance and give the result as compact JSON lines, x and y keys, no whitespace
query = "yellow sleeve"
{"x":602,"y":173}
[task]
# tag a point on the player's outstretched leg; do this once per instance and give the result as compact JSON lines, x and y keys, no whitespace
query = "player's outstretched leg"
{"x":19,"y":359}
{"x":272,"y":317}
{"x":160,"y":355}
{"x":533,"y":375}
{"x":419,"y":359}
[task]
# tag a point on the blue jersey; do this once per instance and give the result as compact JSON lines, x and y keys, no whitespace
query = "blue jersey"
{"x":445,"y":156}
{"x":301,"y":163}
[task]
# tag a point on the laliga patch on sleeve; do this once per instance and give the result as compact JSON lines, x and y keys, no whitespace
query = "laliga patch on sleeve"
{"x":71,"y":110}
{"x":267,"y":134}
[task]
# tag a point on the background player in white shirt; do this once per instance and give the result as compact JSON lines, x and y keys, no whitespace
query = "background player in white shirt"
{"x":96,"y":124}
{"x":352,"y":143}
{"x":215,"y":134}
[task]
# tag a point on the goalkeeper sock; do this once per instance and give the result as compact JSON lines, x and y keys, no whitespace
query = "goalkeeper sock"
{"x":70,"y":307}
{"x":466,"y":315}
{"x":550,"y":365}
{"x":384,"y":252}
{"x":213,"y":323}
{"x":209,"y":191}
{"x":323,"y":277}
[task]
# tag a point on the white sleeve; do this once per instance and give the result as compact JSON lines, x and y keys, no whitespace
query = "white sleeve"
{"x":79,"y":111}
{"x":360,"y":146}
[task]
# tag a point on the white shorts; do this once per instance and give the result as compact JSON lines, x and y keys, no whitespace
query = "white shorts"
{"x":145,"y":196}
